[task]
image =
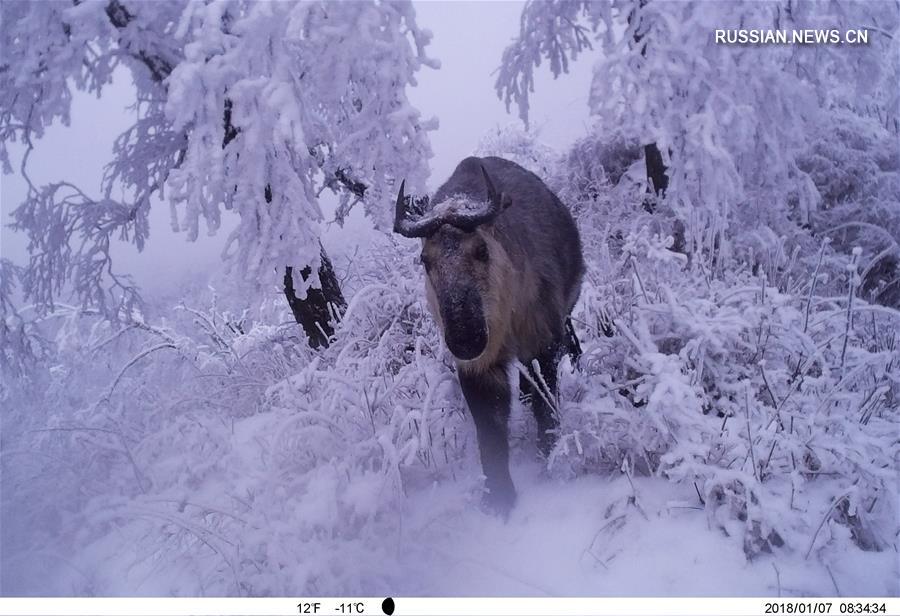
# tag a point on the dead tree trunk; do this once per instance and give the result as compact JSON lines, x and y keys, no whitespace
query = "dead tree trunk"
{"x":656,"y":170}
{"x":318,"y":311}
{"x":657,"y":178}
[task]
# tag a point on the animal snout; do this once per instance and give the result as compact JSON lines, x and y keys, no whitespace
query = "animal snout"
{"x":467,"y":346}
{"x":465,"y":329}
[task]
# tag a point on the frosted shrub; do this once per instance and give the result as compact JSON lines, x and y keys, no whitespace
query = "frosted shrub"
{"x":856,"y":168}
{"x":217,"y":440}
{"x":595,"y":161}
{"x":748,"y":392}
{"x":522,"y":146}
{"x":742,"y":368}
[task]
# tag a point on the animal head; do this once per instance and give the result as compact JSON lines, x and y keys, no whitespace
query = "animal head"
{"x":467,"y":269}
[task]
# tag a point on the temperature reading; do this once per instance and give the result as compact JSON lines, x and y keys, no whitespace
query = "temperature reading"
{"x":351,"y":608}
{"x":309,"y":608}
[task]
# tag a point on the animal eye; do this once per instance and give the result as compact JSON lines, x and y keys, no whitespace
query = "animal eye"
{"x":481,"y":253}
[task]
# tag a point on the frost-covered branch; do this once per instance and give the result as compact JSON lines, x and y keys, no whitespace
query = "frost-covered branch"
{"x":72,"y":247}
{"x":247,"y":108}
{"x":728,"y":121}
{"x":548,"y":29}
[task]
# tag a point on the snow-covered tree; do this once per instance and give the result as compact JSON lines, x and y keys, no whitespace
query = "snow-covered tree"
{"x":252,"y":108}
{"x":726,"y":122}
{"x":522,"y":147}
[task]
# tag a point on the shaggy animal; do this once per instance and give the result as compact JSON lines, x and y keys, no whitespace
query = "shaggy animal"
{"x":504,"y":267}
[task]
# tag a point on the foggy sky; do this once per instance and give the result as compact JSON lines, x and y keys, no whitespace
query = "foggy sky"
{"x":469,"y":38}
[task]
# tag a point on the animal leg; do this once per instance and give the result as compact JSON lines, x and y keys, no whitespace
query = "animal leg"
{"x":488,"y":397}
{"x":544,"y":398}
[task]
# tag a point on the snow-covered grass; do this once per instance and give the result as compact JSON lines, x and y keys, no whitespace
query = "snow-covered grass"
{"x":727,"y":430}
{"x":709,"y":445}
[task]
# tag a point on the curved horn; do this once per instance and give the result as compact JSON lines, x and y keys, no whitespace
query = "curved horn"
{"x":469,"y":221}
{"x":400,"y":208}
{"x":410,"y":228}
{"x":465,"y":221}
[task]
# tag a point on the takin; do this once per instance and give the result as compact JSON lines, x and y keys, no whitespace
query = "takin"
{"x":504,"y":266}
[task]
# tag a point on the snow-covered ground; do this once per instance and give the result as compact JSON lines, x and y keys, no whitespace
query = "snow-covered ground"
{"x":583,"y":538}
{"x":590,"y":536}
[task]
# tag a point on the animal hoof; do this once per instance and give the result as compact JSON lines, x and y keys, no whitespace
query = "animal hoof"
{"x":499,"y":501}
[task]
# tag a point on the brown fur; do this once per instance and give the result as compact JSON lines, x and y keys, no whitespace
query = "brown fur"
{"x":511,"y":304}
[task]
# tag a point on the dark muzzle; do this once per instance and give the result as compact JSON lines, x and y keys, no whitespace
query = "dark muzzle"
{"x":465,"y":330}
